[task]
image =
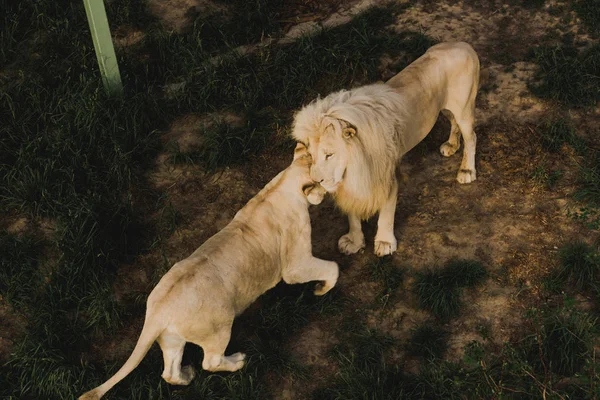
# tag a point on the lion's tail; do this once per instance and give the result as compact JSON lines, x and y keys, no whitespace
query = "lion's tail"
{"x":145,"y":341}
{"x":484,"y":76}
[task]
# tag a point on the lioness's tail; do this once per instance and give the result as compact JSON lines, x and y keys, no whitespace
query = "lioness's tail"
{"x":145,"y":341}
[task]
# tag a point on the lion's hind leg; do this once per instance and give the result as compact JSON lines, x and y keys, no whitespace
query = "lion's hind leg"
{"x":172,"y":346}
{"x":453,"y":144}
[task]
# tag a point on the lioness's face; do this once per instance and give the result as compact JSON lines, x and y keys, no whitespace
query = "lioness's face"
{"x":329,"y":153}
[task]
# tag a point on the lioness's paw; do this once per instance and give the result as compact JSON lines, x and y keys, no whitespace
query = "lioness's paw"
{"x":349,"y":245}
{"x":448,"y":149}
{"x":237,"y":357}
{"x":385,"y":248}
{"x":238,"y":365}
{"x":466,"y":176}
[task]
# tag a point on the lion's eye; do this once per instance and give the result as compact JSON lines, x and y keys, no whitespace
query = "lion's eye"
{"x":328,"y":156}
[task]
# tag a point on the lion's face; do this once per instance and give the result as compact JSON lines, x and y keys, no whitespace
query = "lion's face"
{"x":330,"y":154}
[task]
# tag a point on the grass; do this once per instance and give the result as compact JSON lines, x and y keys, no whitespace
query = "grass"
{"x":589,"y":12}
{"x":567,"y":75}
{"x":579,"y":267}
{"x":391,"y":277}
{"x":556,"y":133}
{"x":428,"y":341}
{"x":567,"y":341}
{"x":438,"y":291}
{"x":19,"y":274}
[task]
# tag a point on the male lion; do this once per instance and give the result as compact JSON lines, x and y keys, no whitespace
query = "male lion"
{"x":357,"y":137}
{"x":196,"y":301}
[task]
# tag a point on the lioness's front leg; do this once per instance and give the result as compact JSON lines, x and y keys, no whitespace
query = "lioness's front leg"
{"x":353,"y":241}
{"x":385,"y":241}
{"x":313,"y":269}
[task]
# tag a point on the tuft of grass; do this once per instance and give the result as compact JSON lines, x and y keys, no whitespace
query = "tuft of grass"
{"x":437,"y":295}
{"x":567,"y":75}
{"x":579,"y":266}
{"x":464,"y":273}
{"x":567,"y":341}
{"x":439,"y":291}
{"x":428,"y":341}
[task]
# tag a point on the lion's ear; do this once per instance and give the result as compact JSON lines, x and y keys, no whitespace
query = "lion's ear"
{"x":348,"y":132}
{"x":300,"y":150}
{"x":314,"y":193}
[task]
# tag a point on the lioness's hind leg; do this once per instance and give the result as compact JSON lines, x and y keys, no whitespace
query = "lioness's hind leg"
{"x":453,"y":144}
{"x":172,"y":348}
{"x":214,"y":351}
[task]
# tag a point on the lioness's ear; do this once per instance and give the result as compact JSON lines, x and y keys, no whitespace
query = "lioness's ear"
{"x":348,"y":132}
{"x":300,"y":150}
{"x":314,"y":193}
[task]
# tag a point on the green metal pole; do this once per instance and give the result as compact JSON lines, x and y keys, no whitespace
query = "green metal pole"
{"x":105,"y":51}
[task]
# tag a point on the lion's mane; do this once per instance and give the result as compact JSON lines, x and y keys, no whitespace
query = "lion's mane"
{"x":377,"y":113}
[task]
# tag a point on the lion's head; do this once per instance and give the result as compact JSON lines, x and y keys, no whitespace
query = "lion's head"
{"x":351,"y":138}
{"x":330,"y":152}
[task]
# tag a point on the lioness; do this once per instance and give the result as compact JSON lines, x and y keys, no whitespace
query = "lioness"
{"x":196,"y":301}
{"x":357,"y":137}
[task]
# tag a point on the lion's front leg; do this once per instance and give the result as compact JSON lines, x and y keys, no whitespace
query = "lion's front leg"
{"x":353,"y":241}
{"x":385,"y":241}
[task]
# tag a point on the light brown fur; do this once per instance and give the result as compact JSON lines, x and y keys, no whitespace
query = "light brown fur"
{"x":358,"y":137}
{"x":197,"y":299}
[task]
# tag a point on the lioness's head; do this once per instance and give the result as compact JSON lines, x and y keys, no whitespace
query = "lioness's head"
{"x":313,"y":191}
{"x":329,"y":150}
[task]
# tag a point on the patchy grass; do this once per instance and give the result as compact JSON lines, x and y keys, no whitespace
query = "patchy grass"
{"x":589,"y":12}
{"x":20,"y":278}
{"x":545,"y":176}
{"x":567,"y":341}
{"x":438,"y":291}
{"x":579,"y":267}
{"x":428,"y":341}
{"x":556,"y":133}
{"x":567,"y":75}
{"x":389,"y":275}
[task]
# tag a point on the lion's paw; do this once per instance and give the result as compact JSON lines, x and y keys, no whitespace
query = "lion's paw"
{"x":349,"y":245}
{"x":385,"y":248}
{"x":448,"y":149}
{"x":466,"y":176}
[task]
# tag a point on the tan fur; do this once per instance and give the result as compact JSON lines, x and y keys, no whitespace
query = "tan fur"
{"x":196,"y":301}
{"x":357,"y":137}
